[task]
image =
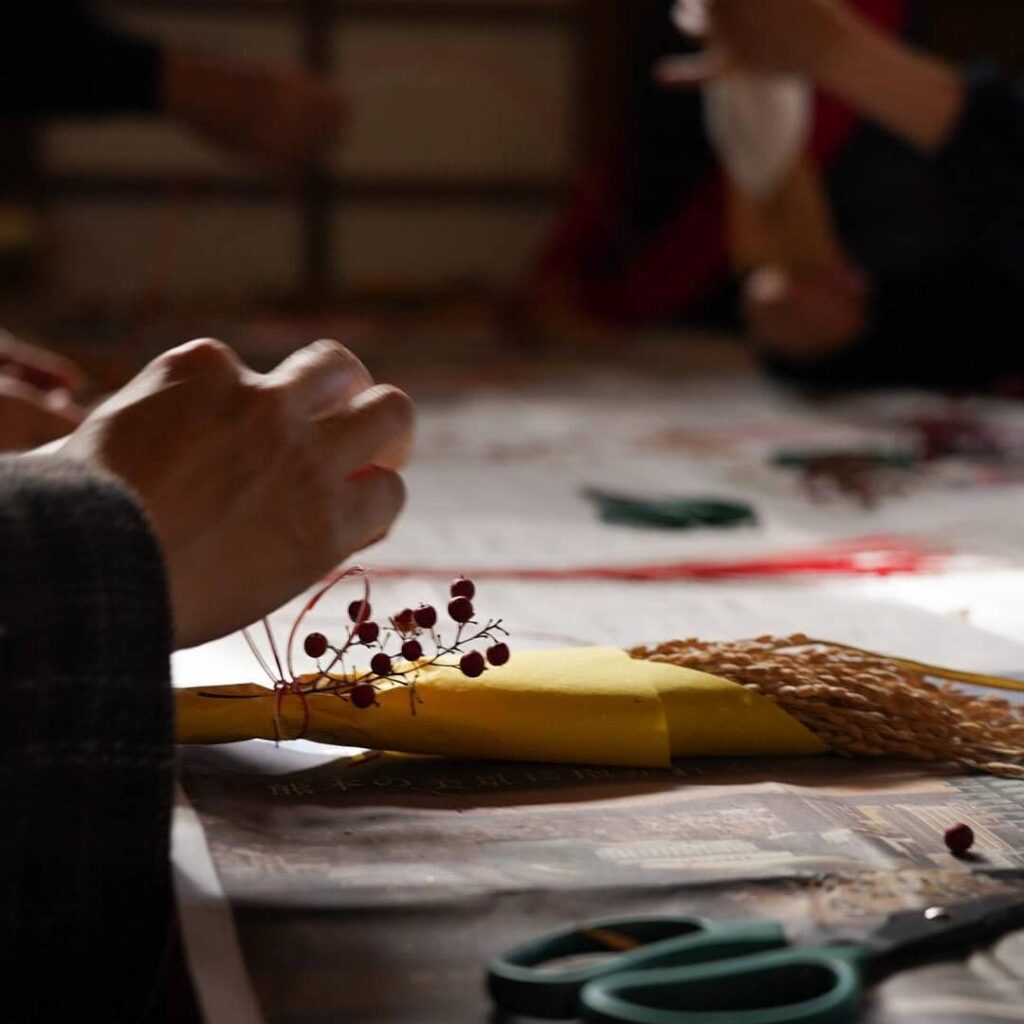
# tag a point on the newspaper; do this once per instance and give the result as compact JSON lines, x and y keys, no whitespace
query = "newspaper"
{"x":375,"y":888}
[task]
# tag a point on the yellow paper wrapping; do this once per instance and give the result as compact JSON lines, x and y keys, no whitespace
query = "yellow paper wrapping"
{"x":593,"y":705}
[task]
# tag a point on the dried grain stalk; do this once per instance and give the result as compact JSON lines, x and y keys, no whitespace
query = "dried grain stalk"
{"x":864,"y":704}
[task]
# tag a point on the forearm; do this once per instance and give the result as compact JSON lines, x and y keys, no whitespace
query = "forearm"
{"x":86,"y":751}
{"x":915,"y":96}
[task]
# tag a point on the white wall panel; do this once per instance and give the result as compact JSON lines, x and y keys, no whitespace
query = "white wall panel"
{"x":112,"y":250}
{"x":490,"y":101}
{"x":408,"y":245}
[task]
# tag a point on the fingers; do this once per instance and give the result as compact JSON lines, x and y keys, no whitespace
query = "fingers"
{"x":690,"y":17}
{"x":322,"y":378}
{"x":30,"y":417}
{"x":808,"y":316}
{"x":687,"y":72}
{"x":200,"y":357}
{"x":38,"y":367}
{"x":374,"y":430}
{"x":371,"y":503}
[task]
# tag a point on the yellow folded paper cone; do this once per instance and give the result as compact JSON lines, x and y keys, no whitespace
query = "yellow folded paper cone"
{"x":583,"y":706}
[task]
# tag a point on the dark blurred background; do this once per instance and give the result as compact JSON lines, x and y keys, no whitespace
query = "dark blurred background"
{"x":470,"y":121}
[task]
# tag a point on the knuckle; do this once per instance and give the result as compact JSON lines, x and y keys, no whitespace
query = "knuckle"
{"x":397,"y":408}
{"x":202,"y":355}
{"x":332,"y":351}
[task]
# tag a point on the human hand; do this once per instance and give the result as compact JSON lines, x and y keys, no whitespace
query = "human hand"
{"x":805,"y":316}
{"x":280,"y":117}
{"x":38,"y":367}
{"x":774,"y":36}
{"x":36,"y":388}
{"x":30,"y":416}
{"x":255,"y":485}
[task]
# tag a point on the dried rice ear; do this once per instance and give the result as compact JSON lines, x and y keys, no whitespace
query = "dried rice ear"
{"x":864,"y":704}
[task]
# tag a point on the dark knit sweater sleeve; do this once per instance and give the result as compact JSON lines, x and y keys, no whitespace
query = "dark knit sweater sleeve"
{"x":982,"y":165}
{"x":951,"y":320}
{"x":987,"y":143}
{"x":86,"y":732}
{"x":59,"y":58}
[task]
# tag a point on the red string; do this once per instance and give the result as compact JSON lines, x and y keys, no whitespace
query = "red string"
{"x":280,"y":692}
{"x":871,"y":556}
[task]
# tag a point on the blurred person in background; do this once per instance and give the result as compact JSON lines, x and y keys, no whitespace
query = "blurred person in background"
{"x":64,"y":59}
{"x":940,"y":295}
{"x":921,"y":166}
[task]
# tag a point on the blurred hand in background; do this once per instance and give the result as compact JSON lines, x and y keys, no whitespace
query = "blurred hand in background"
{"x":777,"y":36}
{"x":280,"y":118}
{"x":807,"y":316}
{"x":37,"y":390}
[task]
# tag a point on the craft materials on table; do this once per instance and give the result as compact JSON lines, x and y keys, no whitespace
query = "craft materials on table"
{"x":663,"y":970}
{"x":669,"y":513}
{"x":872,"y":556}
{"x":443,"y":864}
{"x":954,"y":446}
{"x":865,"y":475}
{"x":601,"y":705}
{"x":956,"y":432}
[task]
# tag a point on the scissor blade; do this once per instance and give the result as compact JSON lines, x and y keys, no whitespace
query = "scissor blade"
{"x":939,"y":927}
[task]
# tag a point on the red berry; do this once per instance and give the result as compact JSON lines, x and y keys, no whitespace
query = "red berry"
{"x":472,"y":664}
{"x":461,"y":609}
{"x":363,"y":695}
{"x":463,"y":588}
{"x":425,"y":616}
{"x":359,"y":611}
{"x":498,"y":654}
{"x":959,"y":838}
{"x":405,"y":621}
{"x":412,"y":650}
{"x":315,"y":645}
{"x":381,"y":664}
{"x":368,"y":632}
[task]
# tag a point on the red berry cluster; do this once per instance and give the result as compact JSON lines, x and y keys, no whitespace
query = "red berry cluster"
{"x":409,"y":628}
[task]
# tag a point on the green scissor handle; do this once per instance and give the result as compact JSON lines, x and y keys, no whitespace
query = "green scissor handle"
{"x":519,"y":982}
{"x":820,"y":985}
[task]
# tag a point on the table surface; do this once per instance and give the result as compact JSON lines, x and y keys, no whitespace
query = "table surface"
{"x":496,"y":485}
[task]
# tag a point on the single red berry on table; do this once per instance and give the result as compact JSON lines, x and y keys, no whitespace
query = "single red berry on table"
{"x":463,"y":588}
{"x":498,"y":654}
{"x":362,"y":695}
{"x":472,"y":664}
{"x":359,"y":611}
{"x":368,"y":632}
{"x":315,"y":645}
{"x":959,"y":838}
{"x":460,"y":609}
{"x":381,"y":664}
{"x":412,"y":650}
{"x":405,"y":621}
{"x":425,"y":616}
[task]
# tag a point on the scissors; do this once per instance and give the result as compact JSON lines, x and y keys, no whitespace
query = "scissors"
{"x":689,"y":970}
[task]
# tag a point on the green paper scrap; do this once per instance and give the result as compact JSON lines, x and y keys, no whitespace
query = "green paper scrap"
{"x":798,"y":459}
{"x":670,"y":513}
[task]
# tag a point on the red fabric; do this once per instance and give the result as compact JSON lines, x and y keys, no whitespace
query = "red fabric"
{"x":687,"y":260}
